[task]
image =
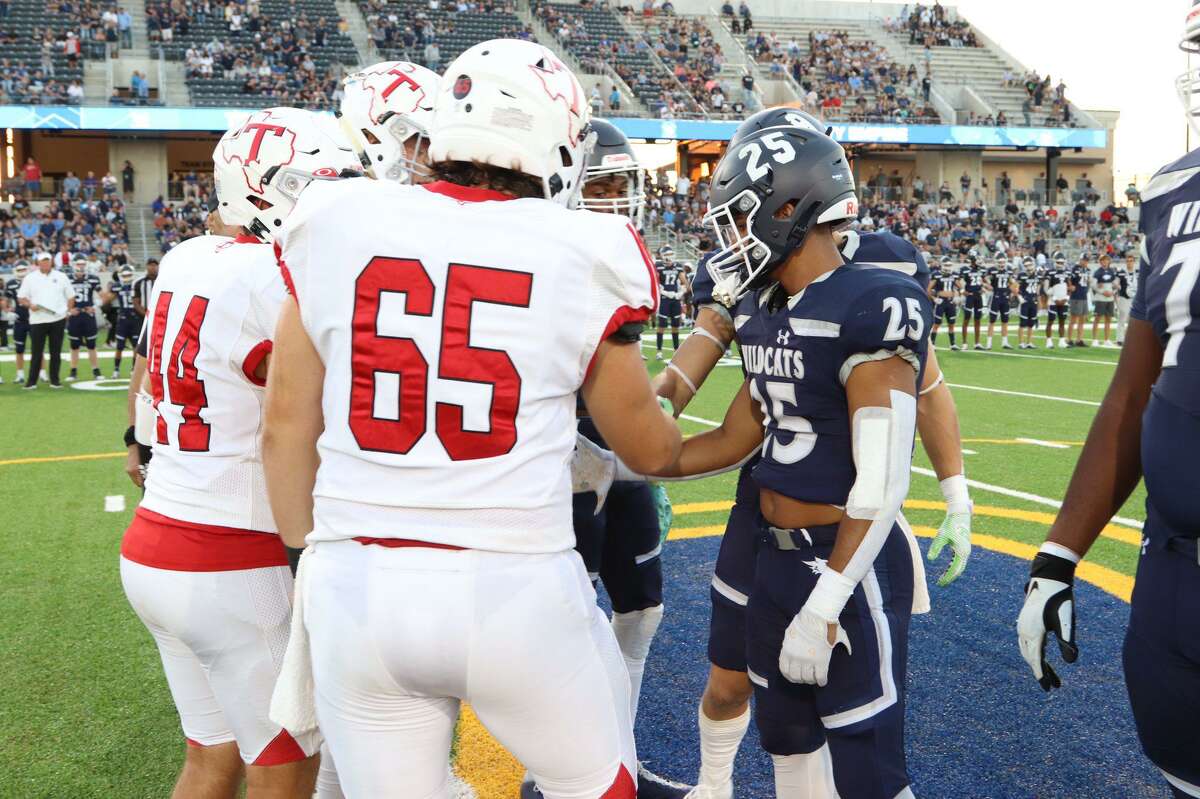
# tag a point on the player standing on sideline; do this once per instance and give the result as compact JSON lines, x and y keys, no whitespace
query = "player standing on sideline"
{"x":1147,"y":427}
{"x":619,"y":536}
{"x":824,"y":576}
{"x":81,"y":324}
{"x":971,"y":284}
{"x":672,"y":282}
{"x":943,"y":290}
{"x":1028,"y":285}
{"x":143,"y":287}
{"x":201,"y":563}
{"x":724,"y":711}
{"x":1055,"y":288}
{"x":1126,"y":289}
{"x":1079,"y":279}
{"x":128,"y":323}
{"x":20,"y":331}
{"x":414,"y":364}
{"x":999,"y":281}
{"x":1104,"y":284}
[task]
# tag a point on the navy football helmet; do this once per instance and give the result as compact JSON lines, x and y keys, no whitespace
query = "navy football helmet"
{"x":782,"y":117}
{"x":752,"y":187}
{"x":612,"y":155}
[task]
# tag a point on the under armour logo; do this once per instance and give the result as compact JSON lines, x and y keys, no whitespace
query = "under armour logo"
{"x":1145,"y":543}
{"x":782,"y":338}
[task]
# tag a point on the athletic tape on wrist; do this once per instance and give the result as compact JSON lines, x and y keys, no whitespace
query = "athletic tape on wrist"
{"x":954,"y":490}
{"x":687,"y":381}
{"x":830,"y":595}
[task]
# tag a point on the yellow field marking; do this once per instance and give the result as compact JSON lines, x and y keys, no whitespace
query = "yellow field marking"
{"x":1126,"y":535}
{"x":1016,"y":441}
{"x":483,"y":763}
{"x":62,"y":458}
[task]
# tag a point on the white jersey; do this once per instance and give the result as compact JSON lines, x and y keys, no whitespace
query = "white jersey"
{"x":455,"y":330}
{"x":212,"y":317}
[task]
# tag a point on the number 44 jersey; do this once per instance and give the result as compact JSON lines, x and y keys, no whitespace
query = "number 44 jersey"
{"x":212,"y":317}
{"x":456,"y":326}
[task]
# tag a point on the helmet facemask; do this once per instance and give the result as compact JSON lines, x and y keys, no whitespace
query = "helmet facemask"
{"x":743,"y":260}
{"x":634,"y":199}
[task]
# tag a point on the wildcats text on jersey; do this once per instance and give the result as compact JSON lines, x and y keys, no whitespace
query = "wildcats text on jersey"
{"x":774,"y":361}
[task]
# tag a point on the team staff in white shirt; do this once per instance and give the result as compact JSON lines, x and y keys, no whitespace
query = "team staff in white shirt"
{"x":48,"y":295}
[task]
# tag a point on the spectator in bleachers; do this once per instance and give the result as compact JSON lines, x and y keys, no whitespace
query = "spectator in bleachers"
{"x":71,"y":185}
{"x":32,"y":175}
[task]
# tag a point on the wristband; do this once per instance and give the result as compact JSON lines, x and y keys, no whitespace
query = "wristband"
{"x":129,"y":437}
{"x":955,"y":491}
{"x":830,"y":595}
{"x":1052,"y":567}
{"x":687,"y":381}
{"x":1058,"y":550}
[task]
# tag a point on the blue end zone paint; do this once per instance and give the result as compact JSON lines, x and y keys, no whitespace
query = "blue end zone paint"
{"x":978,"y":725}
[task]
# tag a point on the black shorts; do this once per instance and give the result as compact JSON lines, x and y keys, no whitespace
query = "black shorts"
{"x":129,"y":327}
{"x":81,"y":329}
{"x":999,"y":308}
{"x":1029,"y":313}
{"x":973,"y":307}
{"x":670,"y":311}
{"x":20,"y":333}
{"x":946,"y":310}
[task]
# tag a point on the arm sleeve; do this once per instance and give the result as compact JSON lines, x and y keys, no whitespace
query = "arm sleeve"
{"x":624,"y":288}
{"x":892,"y":317}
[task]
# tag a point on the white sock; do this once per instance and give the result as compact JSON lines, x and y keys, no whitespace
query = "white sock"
{"x":989,"y":342}
{"x":807,"y":776}
{"x":634,"y":631}
{"x":20,"y":377}
{"x":719,"y":742}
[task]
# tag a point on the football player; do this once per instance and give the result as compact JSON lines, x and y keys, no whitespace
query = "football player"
{"x":724,"y":712}
{"x":81,"y":324}
{"x":999,"y":283}
{"x":20,"y":330}
{"x":385,"y":111}
{"x":418,"y":420}
{"x":943,"y":289}
{"x":1126,"y":289}
{"x":1148,"y":426}
{"x":1028,"y":286}
{"x":971,"y":284}
{"x":1104,"y":286}
{"x":619,"y":535}
{"x":202,"y":564}
{"x":1054,"y":285}
{"x":128,"y":323}
{"x":672,"y":283}
{"x":1079,"y":281}
{"x":834,"y":573}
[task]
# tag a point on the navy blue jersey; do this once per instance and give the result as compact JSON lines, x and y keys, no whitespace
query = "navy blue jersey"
{"x":1079,"y":279}
{"x":1056,"y":276}
{"x":798,"y":355}
{"x":1105,"y":278}
{"x":886,"y":250}
{"x":86,"y":288}
{"x":972,"y":277}
{"x":10,"y":291}
{"x":1029,"y":284}
{"x":999,"y":277}
{"x":1167,"y":296}
{"x":945,"y":280}
{"x":123,"y":299}
{"x":670,"y":279}
{"x":702,"y":283}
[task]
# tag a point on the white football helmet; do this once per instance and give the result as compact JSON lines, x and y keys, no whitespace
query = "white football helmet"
{"x":1188,"y":84}
{"x":387,"y":109}
{"x":261,"y":165}
{"x":513,"y":104}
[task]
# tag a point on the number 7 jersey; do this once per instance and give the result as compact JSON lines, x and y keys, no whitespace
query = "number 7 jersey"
{"x":1170,"y":265}
{"x":455,"y":326}
{"x":212,"y":316}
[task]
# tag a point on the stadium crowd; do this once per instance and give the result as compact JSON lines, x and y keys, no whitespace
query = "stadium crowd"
{"x":180,"y":216}
{"x":932,"y":26}
{"x":88,"y":225}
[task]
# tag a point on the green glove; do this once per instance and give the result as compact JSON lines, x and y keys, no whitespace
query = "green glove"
{"x":955,"y":531}
{"x":662,"y":506}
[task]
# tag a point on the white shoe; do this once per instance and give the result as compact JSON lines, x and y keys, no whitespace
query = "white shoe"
{"x":45,"y":378}
{"x":116,"y":375}
{"x":1049,"y":343}
{"x":20,"y":378}
{"x":658,"y":355}
{"x":955,"y":347}
{"x":979,"y":346}
{"x":709,"y":792}
{"x":1006,"y":346}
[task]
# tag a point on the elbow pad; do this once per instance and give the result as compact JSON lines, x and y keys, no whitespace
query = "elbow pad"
{"x":883,"y":442}
{"x":145,"y":419}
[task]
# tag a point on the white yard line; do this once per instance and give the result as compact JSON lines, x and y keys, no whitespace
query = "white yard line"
{"x":1036,"y":357}
{"x":1039,"y":442}
{"x":1089,"y":403}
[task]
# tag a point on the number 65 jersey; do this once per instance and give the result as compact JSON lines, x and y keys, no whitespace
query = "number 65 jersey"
{"x":212,"y":318}
{"x":455,"y":326}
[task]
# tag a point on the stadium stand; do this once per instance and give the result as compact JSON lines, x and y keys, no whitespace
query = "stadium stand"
{"x":271,"y":52}
{"x":434,"y":33}
{"x":42,"y":45}
{"x":93,"y":227}
{"x":181,"y":215}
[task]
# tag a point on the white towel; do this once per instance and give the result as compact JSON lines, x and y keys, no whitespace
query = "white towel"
{"x":920,"y":588}
{"x":293,"y":703}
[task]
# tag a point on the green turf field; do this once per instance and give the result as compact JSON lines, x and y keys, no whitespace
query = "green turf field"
{"x":86,"y":711}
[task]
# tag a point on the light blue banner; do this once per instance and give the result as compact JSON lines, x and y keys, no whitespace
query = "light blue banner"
{"x":120,"y":118}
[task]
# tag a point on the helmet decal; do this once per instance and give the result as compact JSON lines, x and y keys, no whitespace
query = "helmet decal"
{"x":259,"y":141}
{"x":560,"y":84}
{"x":383,"y":83}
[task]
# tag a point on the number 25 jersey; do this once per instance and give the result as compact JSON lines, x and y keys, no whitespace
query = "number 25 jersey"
{"x":455,"y":326}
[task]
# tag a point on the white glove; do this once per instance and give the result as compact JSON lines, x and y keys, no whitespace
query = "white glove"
{"x":806,"y":650}
{"x":593,"y":468}
{"x":1049,"y":608}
